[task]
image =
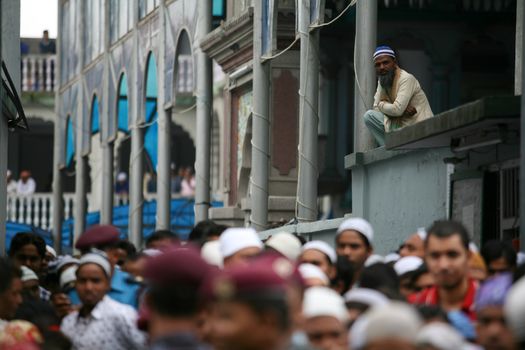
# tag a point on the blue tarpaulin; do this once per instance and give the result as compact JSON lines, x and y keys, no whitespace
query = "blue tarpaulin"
{"x":182,"y":219}
{"x":12,"y":228}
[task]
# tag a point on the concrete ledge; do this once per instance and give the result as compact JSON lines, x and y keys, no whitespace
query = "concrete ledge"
{"x":232,"y":216}
{"x":438,"y":131}
{"x":323,"y":230}
{"x":358,"y":159}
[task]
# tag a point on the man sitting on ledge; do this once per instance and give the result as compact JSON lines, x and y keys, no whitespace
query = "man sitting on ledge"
{"x":399,"y":100}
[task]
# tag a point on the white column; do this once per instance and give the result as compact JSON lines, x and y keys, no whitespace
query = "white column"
{"x":164,"y":133}
{"x":136,"y":171}
{"x":80,"y":206}
{"x":204,"y":114}
{"x":365,"y":86}
{"x":308,"y":117}
{"x":260,"y":126}
{"x":106,"y":210}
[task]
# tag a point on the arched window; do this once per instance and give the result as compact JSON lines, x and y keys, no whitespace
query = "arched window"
{"x":70,"y":142}
{"x":150,"y":136}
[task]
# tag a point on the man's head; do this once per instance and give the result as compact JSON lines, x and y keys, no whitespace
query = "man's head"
{"x":238,"y":245}
{"x":499,"y":257}
{"x":28,"y":249}
{"x":45,"y":34}
{"x":25,"y":175}
{"x":405,"y":269}
{"x":354,"y":241}
{"x":93,"y":279}
{"x":392,"y":326}
{"x":173,"y":279}
{"x":385,"y":64}
{"x":161,"y":239}
{"x":125,"y":249}
{"x":414,"y":245}
{"x":204,"y":231}
{"x":491,"y":328}
{"x":326,"y":318}
{"x":102,"y":237}
{"x":514,"y":311}
{"x":30,"y":284}
{"x":10,"y":288}
{"x":447,"y":253}
{"x":250,"y":307}
{"x":320,"y":254}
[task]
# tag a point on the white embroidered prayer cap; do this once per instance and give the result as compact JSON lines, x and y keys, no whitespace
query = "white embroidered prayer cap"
{"x":286,"y":244}
{"x":323,"y":301}
{"x":407,"y":264}
{"x":234,"y":239}
{"x":357,"y":224}
{"x":323,"y":247}
{"x":311,"y":271}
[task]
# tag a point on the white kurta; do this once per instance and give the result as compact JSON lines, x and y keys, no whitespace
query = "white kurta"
{"x":405,"y":92}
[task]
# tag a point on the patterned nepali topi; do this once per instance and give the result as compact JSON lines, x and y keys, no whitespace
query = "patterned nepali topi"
{"x":384,"y":50}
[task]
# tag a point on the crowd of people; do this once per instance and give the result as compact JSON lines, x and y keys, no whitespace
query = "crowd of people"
{"x":225,"y":288}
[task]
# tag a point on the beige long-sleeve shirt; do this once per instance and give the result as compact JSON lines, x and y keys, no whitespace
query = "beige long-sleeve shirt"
{"x":393,"y":103}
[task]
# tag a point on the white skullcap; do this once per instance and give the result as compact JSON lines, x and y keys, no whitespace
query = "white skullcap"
{"x":323,"y":301}
{"x":66,"y":260}
{"x":122,"y":176}
{"x":357,"y":224}
{"x":357,"y":333}
{"x":9,"y":173}
{"x":211,"y":253}
{"x":151,"y":252}
{"x":28,"y":274}
{"x":97,"y":259}
{"x":515,"y":309}
{"x":374,"y":259}
{"x":286,"y":244}
{"x":366,"y":296}
{"x":51,"y":251}
{"x":407,"y":264}
{"x":310,"y":271}
{"x":68,"y":276}
{"x":323,"y":247}
{"x":390,"y":258}
{"x":473,"y":247}
{"x":440,"y":336}
{"x":394,"y":320}
{"x":422,"y":233}
{"x":235,"y":238}
{"x":520,"y":258}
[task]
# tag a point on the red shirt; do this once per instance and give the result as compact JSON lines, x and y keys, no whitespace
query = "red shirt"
{"x":430,"y":296}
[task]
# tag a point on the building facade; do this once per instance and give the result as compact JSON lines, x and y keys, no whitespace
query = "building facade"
{"x":290,"y":143}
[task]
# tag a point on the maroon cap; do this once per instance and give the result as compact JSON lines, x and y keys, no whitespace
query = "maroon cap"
{"x":98,"y":235}
{"x":180,"y":265}
{"x":270,"y":259}
{"x":254,"y":279}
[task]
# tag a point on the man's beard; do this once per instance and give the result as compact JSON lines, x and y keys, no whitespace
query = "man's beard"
{"x":386,"y":80}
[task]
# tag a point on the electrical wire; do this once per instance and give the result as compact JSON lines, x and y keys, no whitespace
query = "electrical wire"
{"x":352,"y":3}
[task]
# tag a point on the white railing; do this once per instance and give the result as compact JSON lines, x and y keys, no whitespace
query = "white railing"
{"x":38,"y":73}
{"x":36,"y":209}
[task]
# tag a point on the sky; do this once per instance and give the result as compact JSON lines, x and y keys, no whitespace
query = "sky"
{"x":37,"y":15}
